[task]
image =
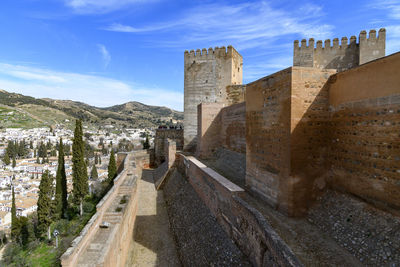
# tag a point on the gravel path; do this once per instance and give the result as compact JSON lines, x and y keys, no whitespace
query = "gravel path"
{"x":200,"y":239}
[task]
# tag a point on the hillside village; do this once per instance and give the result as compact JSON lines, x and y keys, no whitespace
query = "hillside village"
{"x":26,"y":175}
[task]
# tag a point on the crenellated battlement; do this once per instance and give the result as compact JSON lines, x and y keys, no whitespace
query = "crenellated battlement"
{"x":340,"y":55}
{"x":211,"y":52}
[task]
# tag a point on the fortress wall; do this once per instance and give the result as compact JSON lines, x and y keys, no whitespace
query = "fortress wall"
{"x":114,"y":251}
{"x":233,"y":127}
{"x":159,"y":141}
{"x":209,"y":128}
{"x":268,"y":108}
{"x":309,"y":121}
{"x":244,"y":224}
{"x":207,"y":73}
{"x":236,"y":93}
{"x":341,"y":56}
{"x":365,"y":140}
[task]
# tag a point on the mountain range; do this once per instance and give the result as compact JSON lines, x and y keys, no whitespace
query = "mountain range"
{"x":17,"y":110}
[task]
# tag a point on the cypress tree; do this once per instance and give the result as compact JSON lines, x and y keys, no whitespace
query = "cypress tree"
{"x":61,"y":203}
{"x":146,"y":143}
{"x":14,"y":218}
{"x":14,"y":163}
{"x":44,"y":204}
{"x":79,"y":170}
{"x":96,"y":159}
{"x":6,"y":159}
{"x":93,"y":173}
{"x":112,"y":167}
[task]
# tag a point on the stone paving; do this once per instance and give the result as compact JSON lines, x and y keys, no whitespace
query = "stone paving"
{"x":153,"y":242}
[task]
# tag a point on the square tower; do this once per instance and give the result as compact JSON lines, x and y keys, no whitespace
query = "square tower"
{"x":207,"y":74}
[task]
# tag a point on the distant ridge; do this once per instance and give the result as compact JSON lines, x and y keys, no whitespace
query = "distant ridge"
{"x":129,"y":115}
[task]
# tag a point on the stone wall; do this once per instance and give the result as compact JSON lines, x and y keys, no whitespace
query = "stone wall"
{"x":364,"y":134}
{"x":309,"y":127}
{"x":268,"y":134}
{"x":286,"y":117}
{"x":340,"y":57}
{"x":245,"y":225}
{"x":208,"y":128}
{"x":236,"y":93}
{"x":97,"y":246}
{"x":161,"y":135}
{"x":220,"y":126}
{"x":233,"y":127}
{"x":207,"y":73}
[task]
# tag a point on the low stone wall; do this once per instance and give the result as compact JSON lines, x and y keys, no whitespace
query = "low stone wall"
{"x":244,"y":224}
{"x":87,"y":248}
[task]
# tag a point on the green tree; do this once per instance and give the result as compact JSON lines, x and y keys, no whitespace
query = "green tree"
{"x":96,"y":159}
{"x":146,"y":143}
{"x":14,"y":163}
{"x":44,"y":204}
{"x":31,"y":144}
{"x":99,"y":159}
{"x":79,"y":170}
{"x":6,"y":159}
{"x":24,"y":232}
{"x":112,"y":167}
{"x":61,"y":203}
{"x":93,"y":173}
{"x":34,"y":153}
{"x":14,"y":218}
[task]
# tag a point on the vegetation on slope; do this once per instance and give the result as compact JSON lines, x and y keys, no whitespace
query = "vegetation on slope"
{"x":49,"y":112}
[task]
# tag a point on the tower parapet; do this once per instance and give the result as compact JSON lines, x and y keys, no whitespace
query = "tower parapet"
{"x":340,"y":56}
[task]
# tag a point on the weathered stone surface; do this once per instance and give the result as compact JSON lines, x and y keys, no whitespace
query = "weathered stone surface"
{"x":162,"y":135}
{"x":340,"y":57}
{"x":207,"y":73}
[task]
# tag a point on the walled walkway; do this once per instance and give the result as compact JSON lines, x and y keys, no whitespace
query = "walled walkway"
{"x":153,"y":243}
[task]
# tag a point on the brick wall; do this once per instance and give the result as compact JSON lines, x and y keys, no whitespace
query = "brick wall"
{"x":365,"y":131}
{"x":268,"y":134}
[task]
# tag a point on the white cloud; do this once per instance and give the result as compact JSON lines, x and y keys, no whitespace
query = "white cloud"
{"x":392,"y":9}
{"x":262,"y":69}
{"x":392,"y":6}
{"x":117,"y":27}
{"x":91,"y":89}
{"x":246,"y":25}
{"x":105,"y":54}
{"x":101,"y":6}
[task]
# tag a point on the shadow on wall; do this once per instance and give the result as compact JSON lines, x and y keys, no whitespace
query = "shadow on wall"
{"x":309,"y":145}
{"x":152,"y":229}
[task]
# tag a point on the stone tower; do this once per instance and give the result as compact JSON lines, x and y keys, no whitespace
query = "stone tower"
{"x":207,"y":74}
{"x":340,"y":57}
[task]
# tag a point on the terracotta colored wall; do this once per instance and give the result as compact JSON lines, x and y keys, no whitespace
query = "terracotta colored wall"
{"x":220,"y":126}
{"x":309,"y":137}
{"x":365,"y":132}
{"x":159,"y":141}
{"x":208,"y":128}
{"x":286,"y":115}
{"x":268,"y":134}
{"x":233,"y":127}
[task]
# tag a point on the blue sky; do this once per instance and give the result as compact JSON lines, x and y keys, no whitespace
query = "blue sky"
{"x":107,"y":52}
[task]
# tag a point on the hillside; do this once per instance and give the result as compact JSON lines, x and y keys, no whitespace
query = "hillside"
{"x":25,"y":111}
